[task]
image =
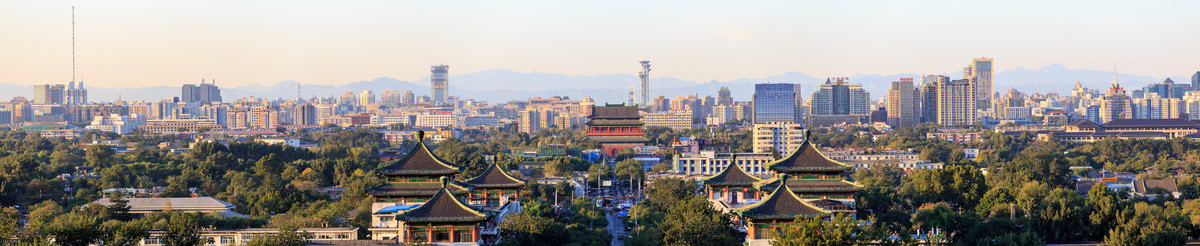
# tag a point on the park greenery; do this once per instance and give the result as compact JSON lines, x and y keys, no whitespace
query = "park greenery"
{"x":1028,"y":195}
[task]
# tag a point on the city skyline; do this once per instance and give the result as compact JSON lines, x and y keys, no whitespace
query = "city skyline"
{"x":156,"y":43}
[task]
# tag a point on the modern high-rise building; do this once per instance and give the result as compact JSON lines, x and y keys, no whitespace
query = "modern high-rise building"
{"x":366,"y":97}
{"x":839,"y":98}
{"x":76,"y":95}
{"x":645,"y":76}
{"x":1153,"y":106}
{"x":724,"y":97}
{"x":980,"y":74}
{"x":529,"y":120}
{"x":391,"y":97}
{"x":409,"y":98}
{"x":1166,"y":89}
{"x":1196,"y":81}
{"x":779,"y":102}
{"x":902,"y":105}
{"x":48,"y":94}
{"x":440,"y":84}
{"x":1116,"y":105}
{"x":202,"y":94}
{"x":928,"y":96}
{"x":348,"y":98}
{"x":956,"y":103}
{"x":304,"y":114}
{"x":1011,"y":105}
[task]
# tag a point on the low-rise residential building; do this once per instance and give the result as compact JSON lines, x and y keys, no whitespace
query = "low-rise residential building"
{"x":435,"y":120}
{"x":321,"y":236}
{"x":674,"y":120}
{"x":708,"y":163}
{"x":175,"y":125}
{"x":779,"y":136}
{"x":957,"y":135}
{"x":208,"y":205}
{"x":119,"y":124}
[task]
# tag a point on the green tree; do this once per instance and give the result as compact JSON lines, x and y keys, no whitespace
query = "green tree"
{"x":995,"y":202}
{"x":940,"y":217}
{"x":99,"y":155}
{"x":75,"y":230}
{"x":630,"y":169}
{"x":10,"y":224}
{"x":661,"y":167}
{"x":1104,"y":208}
{"x":598,"y":170}
{"x":1146,"y":224}
{"x":695,"y":222}
{"x":1063,"y":215}
{"x":182,"y":230}
{"x":286,"y":237}
{"x":41,"y":215}
{"x":119,"y":210}
{"x":839,"y":230}
{"x":959,"y":185}
{"x":118,"y":233}
{"x":529,"y":228}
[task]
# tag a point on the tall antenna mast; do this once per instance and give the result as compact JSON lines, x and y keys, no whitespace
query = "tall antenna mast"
{"x":72,"y":43}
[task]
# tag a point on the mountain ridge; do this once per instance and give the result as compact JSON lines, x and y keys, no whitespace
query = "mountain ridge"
{"x":499,"y":85}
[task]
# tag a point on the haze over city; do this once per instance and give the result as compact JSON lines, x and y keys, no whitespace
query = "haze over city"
{"x":165,"y":43}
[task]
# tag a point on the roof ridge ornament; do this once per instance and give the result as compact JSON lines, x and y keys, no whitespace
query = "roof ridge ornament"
{"x":783,"y":182}
{"x":420,"y":136}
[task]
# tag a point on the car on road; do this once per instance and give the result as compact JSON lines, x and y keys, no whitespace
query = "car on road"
{"x":621,"y":237}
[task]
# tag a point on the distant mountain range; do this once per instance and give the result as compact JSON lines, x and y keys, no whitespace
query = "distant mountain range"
{"x":498,"y":85}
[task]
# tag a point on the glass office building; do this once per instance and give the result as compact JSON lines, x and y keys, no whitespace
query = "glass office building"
{"x":777,"y":103}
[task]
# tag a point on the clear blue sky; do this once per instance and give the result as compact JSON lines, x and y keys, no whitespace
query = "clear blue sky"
{"x":147,"y":43}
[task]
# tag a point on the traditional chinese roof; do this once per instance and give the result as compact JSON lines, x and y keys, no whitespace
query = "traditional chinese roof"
{"x":443,"y":207}
{"x":419,"y":161}
{"x":1084,"y":124}
{"x":615,"y":122}
{"x":807,"y":158}
{"x":782,"y":204}
{"x":495,"y":177}
{"x":615,"y":111}
{"x":420,"y":189}
{"x":1141,"y":186}
{"x":619,"y":139}
{"x":1150,"y":123}
{"x":615,"y":115}
{"x":812,"y":185}
{"x":732,"y":175}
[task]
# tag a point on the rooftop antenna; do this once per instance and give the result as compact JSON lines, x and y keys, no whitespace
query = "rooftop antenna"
{"x":72,"y":43}
{"x":1115,"y":83}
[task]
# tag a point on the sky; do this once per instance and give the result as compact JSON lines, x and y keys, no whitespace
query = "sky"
{"x":166,"y":43}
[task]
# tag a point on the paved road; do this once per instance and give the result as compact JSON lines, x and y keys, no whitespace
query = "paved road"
{"x":615,"y":228}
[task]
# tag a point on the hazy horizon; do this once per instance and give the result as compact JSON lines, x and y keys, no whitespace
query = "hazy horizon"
{"x":152,"y":43}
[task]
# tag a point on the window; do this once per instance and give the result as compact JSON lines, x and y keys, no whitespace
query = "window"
{"x":441,"y":236}
{"x":464,"y":236}
{"x":762,"y":233}
{"x":420,"y":236}
{"x":226,"y":240}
